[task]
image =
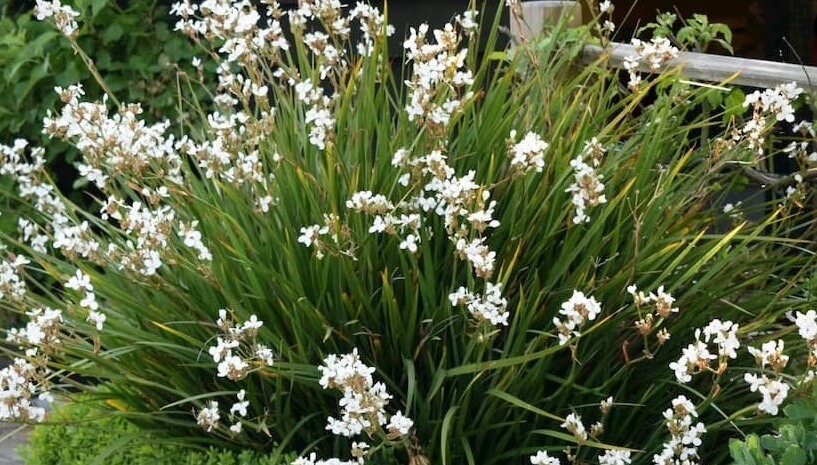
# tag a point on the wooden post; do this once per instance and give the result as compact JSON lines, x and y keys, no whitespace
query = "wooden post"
{"x":535,"y":15}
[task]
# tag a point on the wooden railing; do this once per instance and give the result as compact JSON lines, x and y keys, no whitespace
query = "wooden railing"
{"x":698,"y":66}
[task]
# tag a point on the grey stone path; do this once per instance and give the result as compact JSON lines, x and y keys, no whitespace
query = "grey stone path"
{"x":8,"y":454}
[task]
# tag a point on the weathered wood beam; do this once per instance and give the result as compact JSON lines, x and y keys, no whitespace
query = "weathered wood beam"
{"x":716,"y":68}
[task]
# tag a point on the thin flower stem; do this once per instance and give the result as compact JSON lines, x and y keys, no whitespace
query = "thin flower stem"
{"x":89,"y":63}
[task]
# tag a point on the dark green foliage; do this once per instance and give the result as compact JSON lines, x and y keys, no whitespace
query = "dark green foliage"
{"x":134,"y":48}
{"x":84,"y":434}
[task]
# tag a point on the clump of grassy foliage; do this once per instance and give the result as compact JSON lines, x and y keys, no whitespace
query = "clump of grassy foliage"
{"x":470,"y":262}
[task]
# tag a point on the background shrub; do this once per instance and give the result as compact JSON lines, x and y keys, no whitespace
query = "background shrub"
{"x":83,"y":433}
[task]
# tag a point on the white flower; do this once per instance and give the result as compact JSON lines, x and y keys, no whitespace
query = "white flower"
{"x":770,"y":353}
{"x":615,"y":457}
{"x":682,"y":447}
{"x":192,"y":239}
{"x":807,"y":325}
{"x":587,"y":189}
{"x":309,"y":235}
{"x":542,"y":458}
{"x":222,"y":349}
{"x":490,"y":307}
{"x":529,"y":153}
{"x":468,"y":20}
{"x":89,"y":301}
{"x":233,"y":367}
{"x":774,"y":392}
{"x":605,"y":405}
{"x":63,"y":15}
{"x":400,"y":424}
{"x":410,"y":243}
{"x":79,"y":281}
{"x":577,"y":310}
{"x":606,"y":7}
{"x":240,"y":407}
{"x":573,"y":423}
{"x":97,"y":319}
{"x":208,"y":417}
{"x":725,"y":336}
{"x":264,"y":354}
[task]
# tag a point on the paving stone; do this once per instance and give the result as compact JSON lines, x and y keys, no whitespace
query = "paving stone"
{"x":8,"y":454}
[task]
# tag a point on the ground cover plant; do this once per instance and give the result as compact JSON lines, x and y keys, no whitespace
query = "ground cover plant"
{"x":82,"y":433}
{"x":472,"y":259}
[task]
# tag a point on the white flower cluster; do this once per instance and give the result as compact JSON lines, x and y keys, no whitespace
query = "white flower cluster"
{"x":773,"y":389}
{"x":20,"y":383}
{"x":119,"y":148}
{"x":660,"y":302}
{"x":192,"y":239}
{"x":606,"y":7}
{"x":329,"y":59}
{"x":767,"y":107}
{"x":235,"y":22}
{"x":151,"y":229}
{"x":233,"y":154}
{"x":527,"y":154}
{"x":24,"y":380}
{"x":587,"y":188}
{"x":363,"y":406}
{"x":63,"y":15}
{"x":697,"y":357}
{"x":465,"y":207}
{"x":491,"y":307}
{"x":807,"y":328}
{"x":82,"y":282}
{"x":543,"y":458}
{"x":208,"y":417}
{"x":120,"y":145}
{"x":577,"y":310}
{"x":440,"y":82}
{"x":573,"y":423}
{"x":73,"y":240}
{"x":41,"y":335}
{"x":652,"y":54}
{"x":236,"y":350}
{"x":372,"y":26}
{"x":615,"y":457}
{"x":313,"y":459}
{"x":238,"y":411}
{"x":31,"y":235}
{"x":318,"y":116}
{"x":682,"y":448}
{"x":332,"y":237}
{"x":802,"y":150}
{"x":12,"y":284}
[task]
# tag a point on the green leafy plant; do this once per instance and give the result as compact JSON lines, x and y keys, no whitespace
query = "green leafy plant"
{"x":794,"y":443}
{"x":466,"y":268}
{"x":133,"y":47}
{"x":84,"y":433}
{"x":696,"y":34}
